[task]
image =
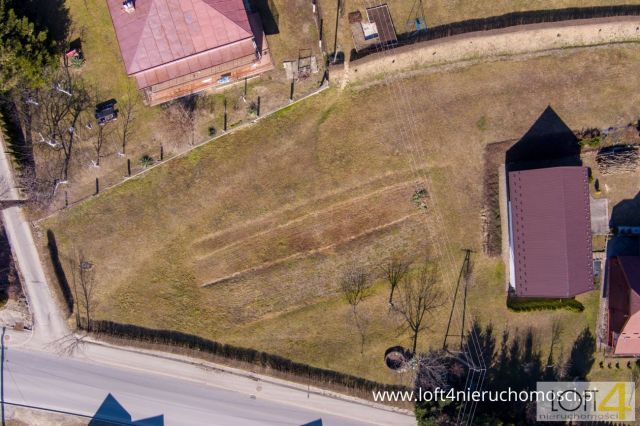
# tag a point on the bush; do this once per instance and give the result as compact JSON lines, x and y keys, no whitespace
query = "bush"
{"x":528,"y":305}
{"x":77,"y":61}
{"x":591,"y":142}
{"x":146,"y":161}
{"x":252,"y":110}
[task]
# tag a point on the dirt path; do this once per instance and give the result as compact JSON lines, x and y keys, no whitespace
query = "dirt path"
{"x":491,"y":45}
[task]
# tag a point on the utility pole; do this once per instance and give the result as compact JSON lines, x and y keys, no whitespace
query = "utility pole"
{"x":4,"y":329}
{"x":225,"y":114}
{"x":335,"y":38}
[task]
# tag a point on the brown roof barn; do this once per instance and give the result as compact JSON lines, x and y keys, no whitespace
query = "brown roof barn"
{"x":623,"y":277}
{"x":550,"y":232}
{"x":177,"y":47}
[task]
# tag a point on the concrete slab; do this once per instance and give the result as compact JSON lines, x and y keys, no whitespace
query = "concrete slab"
{"x":599,"y":216}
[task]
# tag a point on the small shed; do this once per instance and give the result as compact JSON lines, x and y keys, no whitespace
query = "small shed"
{"x":377,"y":29}
{"x":381,"y":16}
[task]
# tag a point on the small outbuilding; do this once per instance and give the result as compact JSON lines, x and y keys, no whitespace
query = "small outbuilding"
{"x":377,"y":29}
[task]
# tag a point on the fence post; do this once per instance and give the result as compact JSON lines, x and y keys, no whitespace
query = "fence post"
{"x":293,"y":82}
{"x":258,"y":108}
{"x":161,"y":153}
{"x":129,"y":167}
{"x":97,"y":187}
{"x":225,"y":115}
{"x":66,"y":199}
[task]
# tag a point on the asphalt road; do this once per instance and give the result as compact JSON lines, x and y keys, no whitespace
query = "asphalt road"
{"x":48,"y":381}
{"x":48,"y":323}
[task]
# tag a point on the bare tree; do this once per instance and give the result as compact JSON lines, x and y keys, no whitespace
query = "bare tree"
{"x":355,"y":285}
{"x":84,"y":286}
{"x":181,"y":115}
{"x":433,"y":369}
{"x":99,"y":142}
{"x":38,"y":181}
{"x":363,"y":320}
{"x":394,"y":271}
{"x":419,"y":296}
{"x":127,"y":117}
{"x":556,"y":332}
{"x":58,"y":113}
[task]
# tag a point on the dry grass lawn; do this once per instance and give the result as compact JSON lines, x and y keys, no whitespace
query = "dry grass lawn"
{"x":274,"y":212}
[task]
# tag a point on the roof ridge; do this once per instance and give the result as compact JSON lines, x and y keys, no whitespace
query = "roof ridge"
{"x":165,"y":31}
{"x":566,"y":233}
{"x":227,"y":16}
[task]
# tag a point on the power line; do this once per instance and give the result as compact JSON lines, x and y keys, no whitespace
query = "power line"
{"x":409,"y":137}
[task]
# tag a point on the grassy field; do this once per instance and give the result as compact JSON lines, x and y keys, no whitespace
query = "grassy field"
{"x":273,"y":213}
{"x":404,"y":12}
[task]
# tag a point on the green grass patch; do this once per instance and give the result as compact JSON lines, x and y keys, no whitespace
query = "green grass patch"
{"x":591,"y":142}
{"x":528,"y":305}
{"x":482,"y":123}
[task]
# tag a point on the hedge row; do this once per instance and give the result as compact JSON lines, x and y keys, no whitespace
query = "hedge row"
{"x":251,"y":356}
{"x":526,"y":305}
{"x":511,"y":20}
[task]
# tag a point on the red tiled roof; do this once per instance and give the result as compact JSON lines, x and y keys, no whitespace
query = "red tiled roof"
{"x":163,"y":31}
{"x":551,"y":231}
{"x":623,"y":275}
{"x":628,"y":343}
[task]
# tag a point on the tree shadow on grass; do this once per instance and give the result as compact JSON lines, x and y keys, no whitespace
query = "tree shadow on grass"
{"x":582,"y":356}
{"x":50,"y":15}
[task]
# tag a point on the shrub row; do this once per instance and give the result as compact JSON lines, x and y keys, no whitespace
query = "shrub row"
{"x":511,"y":20}
{"x":527,"y":305}
{"x":251,"y":356}
{"x":529,"y":17}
